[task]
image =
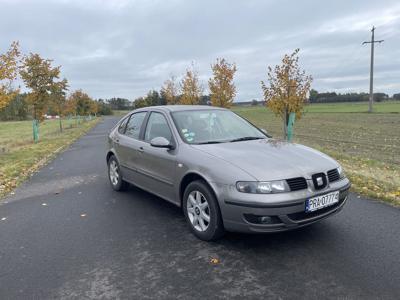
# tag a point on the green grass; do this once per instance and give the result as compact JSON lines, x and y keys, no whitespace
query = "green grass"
{"x":19,"y":156}
{"x":368,"y":145}
{"x":355,"y":107}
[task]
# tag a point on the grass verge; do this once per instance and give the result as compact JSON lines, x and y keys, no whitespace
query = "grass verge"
{"x":20,"y":157}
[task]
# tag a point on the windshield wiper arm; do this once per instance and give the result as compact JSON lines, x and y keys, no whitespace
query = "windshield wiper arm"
{"x":246,"y":138}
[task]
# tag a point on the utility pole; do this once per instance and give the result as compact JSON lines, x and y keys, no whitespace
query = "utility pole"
{"x":371,"y":72}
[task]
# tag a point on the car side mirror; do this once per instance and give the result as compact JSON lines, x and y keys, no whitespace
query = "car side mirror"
{"x":161,"y":142}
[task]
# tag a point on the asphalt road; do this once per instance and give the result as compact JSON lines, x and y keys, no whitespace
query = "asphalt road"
{"x":66,"y":234}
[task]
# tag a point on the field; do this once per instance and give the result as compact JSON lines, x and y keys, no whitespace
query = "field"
{"x":19,"y":156}
{"x":367,"y":145}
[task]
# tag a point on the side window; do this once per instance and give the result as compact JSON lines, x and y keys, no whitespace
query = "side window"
{"x":121,"y":127}
{"x":134,"y":125}
{"x":157,"y":126}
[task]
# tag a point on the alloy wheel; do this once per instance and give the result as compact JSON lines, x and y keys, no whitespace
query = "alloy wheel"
{"x":114,"y":172}
{"x":198,"y":211}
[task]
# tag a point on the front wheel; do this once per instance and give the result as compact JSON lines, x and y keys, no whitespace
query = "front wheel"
{"x":202,"y":211}
{"x":115,"y":176}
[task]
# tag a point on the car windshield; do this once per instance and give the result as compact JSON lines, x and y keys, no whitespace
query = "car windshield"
{"x":214,"y":126}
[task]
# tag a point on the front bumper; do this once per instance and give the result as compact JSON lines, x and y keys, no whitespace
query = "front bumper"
{"x":241,"y":212}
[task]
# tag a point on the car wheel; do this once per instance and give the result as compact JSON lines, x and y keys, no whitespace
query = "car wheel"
{"x":115,"y":176}
{"x":202,"y":211}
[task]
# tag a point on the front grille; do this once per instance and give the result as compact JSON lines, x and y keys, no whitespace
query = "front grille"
{"x":296,"y":184}
{"x":333,"y":175}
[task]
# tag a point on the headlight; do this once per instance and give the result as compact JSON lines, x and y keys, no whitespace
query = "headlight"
{"x":262,"y":187}
{"x":341,"y":172}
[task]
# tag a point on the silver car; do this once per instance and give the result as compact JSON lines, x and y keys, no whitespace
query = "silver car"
{"x":224,"y":172}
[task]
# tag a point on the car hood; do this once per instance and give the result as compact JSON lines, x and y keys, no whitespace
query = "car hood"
{"x":271,"y":159}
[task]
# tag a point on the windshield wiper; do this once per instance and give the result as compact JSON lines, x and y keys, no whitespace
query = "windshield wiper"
{"x":210,"y":142}
{"x":246,"y":138}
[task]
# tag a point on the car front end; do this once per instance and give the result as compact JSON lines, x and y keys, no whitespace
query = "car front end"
{"x":301,"y":203}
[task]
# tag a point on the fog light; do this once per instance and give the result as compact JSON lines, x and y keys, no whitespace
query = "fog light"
{"x":266,"y":220}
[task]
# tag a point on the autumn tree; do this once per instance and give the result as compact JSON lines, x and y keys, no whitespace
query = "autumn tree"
{"x":39,"y":76}
{"x":191,"y":88}
{"x":58,"y":99}
{"x":81,"y":102}
{"x":70,"y":106}
{"x":170,"y":90}
{"x":287,"y":88}
{"x":222,"y":88}
{"x":8,"y":73}
{"x":94,"y":107}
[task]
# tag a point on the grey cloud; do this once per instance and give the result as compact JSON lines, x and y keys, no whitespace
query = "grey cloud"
{"x":124,"y":48}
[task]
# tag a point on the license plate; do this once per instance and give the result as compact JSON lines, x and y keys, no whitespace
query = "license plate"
{"x":322,"y":201}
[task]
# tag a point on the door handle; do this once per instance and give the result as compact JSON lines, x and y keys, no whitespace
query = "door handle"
{"x":141,"y":149}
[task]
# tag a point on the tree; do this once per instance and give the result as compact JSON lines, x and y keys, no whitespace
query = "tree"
{"x":39,"y":76}
{"x":379,"y":97}
{"x":222,"y":88}
{"x":70,"y":106}
{"x":191,"y":88}
{"x":58,"y":98}
{"x":8,"y":73}
{"x":16,"y":110}
{"x":170,"y":90}
{"x":153,"y":98}
{"x":119,"y":103}
{"x":103,"y":108}
{"x":140,"y":102}
{"x":82,"y":102}
{"x":396,"y":96}
{"x":94,"y":107}
{"x":287,"y":89}
{"x":313,"y":96}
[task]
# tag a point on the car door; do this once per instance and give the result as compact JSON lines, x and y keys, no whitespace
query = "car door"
{"x":128,"y":145}
{"x":156,"y":166}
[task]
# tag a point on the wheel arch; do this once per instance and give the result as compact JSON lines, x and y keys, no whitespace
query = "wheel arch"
{"x":190,"y":177}
{"x":109,"y":154}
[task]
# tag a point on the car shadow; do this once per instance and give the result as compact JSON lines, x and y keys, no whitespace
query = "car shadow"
{"x":172,"y":215}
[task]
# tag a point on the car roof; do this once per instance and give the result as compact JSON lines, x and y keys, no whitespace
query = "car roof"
{"x":174,"y":108}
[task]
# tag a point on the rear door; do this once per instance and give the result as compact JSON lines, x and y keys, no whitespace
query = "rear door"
{"x":156,"y":166}
{"x":129,"y":144}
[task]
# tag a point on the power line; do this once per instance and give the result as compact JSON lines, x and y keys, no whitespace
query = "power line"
{"x":371,"y":72}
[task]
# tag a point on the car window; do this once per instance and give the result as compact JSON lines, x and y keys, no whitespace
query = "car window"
{"x":157,"y":126}
{"x":203,"y":126}
{"x":134,"y":125}
{"x":122,"y":125}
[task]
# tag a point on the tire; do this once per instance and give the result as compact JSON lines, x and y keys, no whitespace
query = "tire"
{"x":115,"y":175}
{"x":197,"y":193}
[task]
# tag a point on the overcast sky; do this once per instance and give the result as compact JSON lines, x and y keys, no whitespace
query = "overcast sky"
{"x":124,"y":48}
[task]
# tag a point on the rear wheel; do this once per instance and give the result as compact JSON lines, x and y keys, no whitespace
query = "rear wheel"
{"x":115,"y":176}
{"x":202,"y":211}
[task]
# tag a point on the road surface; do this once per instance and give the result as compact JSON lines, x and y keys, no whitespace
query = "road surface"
{"x":66,"y":234}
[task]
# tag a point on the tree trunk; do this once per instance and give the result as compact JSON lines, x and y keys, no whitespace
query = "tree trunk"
{"x":61,"y":127}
